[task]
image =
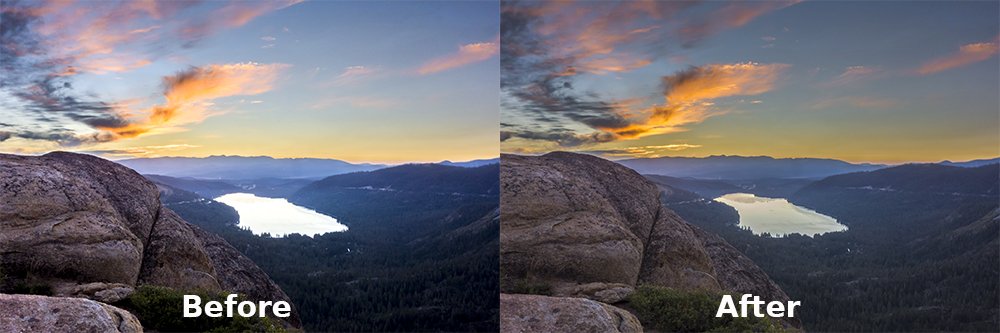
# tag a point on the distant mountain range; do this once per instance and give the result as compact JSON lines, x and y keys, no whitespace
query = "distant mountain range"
{"x":756,"y":167}
{"x":257,"y":167}
{"x":473,"y":163}
{"x":918,"y":178}
{"x":239,"y":167}
{"x":972,"y":164}
{"x":740,"y":167}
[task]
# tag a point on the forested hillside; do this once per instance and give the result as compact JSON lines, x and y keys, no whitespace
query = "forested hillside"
{"x":920,"y":253}
{"x":412,"y":260}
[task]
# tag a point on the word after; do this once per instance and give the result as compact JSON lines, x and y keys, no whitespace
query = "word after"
{"x":774,"y":309}
{"x":192,"y":307}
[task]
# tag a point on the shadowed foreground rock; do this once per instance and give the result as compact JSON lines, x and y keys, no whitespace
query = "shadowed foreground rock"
{"x":33,"y":313}
{"x":588,"y":227}
{"x":88,"y":227}
{"x":534,"y":313}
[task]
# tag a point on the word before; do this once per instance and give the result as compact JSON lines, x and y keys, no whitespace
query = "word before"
{"x":192,"y":307}
{"x":774,"y":309}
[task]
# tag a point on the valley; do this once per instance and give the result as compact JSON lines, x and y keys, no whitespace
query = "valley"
{"x":919,"y":253}
{"x":419,"y":252}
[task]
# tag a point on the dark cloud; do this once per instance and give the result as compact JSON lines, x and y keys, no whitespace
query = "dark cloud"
{"x":546,"y":45}
{"x":565,"y":139}
{"x":62,"y":137}
{"x":38,"y":83}
{"x":539,"y":84}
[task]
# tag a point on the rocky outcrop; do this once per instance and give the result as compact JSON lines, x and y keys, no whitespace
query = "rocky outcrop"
{"x":88,"y":227}
{"x":237,"y":273}
{"x":533,"y":313}
{"x":591,"y":228}
{"x":33,"y":313}
{"x":570,"y":219}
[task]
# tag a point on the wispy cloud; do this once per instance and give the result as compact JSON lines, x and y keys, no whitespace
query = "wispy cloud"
{"x":862,"y":101}
{"x":467,"y":54}
{"x":46,"y":44}
{"x":855,"y":74}
{"x":644,"y":151}
{"x":545,"y":45}
{"x":358,"y":101}
{"x":734,"y":15}
{"x":354,"y":74}
{"x":146,"y":151}
{"x":687,"y":95}
{"x":966,"y":55}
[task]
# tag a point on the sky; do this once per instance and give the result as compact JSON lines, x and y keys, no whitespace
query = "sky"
{"x":861,"y":81}
{"x":367,"y":81}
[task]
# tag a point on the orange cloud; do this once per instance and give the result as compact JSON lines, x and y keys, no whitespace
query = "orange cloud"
{"x":687,"y":93}
{"x":188,"y":92}
{"x":466,"y":54}
{"x":239,"y":13}
{"x":214,"y":81}
{"x":966,"y":55}
{"x":714,"y":81}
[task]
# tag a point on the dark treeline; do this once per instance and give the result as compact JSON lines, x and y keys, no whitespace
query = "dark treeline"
{"x":913,"y":259}
{"x":411,"y":260}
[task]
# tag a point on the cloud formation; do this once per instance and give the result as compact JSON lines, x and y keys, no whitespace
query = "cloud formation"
{"x":645,"y":151}
{"x":853,"y":75}
{"x":185,"y":91}
{"x":545,"y":45}
{"x":966,"y":55}
{"x":466,"y":54}
{"x":861,"y":102}
{"x":146,"y":151}
{"x":43,"y":45}
{"x":355,"y":74}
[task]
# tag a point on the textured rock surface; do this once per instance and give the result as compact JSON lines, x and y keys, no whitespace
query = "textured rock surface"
{"x":33,"y":313}
{"x":175,"y":257}
{"x":74,"y":216}
{"x":591,"y":228}
{"x":88,"y":227}
{"x":569,"y":219}
{"x":735,"y":272}
{"x":534,"y":313}
{"x":235,"y":272}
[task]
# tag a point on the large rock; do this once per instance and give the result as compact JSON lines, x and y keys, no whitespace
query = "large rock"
{"x":88,"y":227}
{"x":33,"y":313}
{"x":591,"y":228}
{"x":533,"y":313}
{"x":569,"y":219}
{"x":74,"y":216}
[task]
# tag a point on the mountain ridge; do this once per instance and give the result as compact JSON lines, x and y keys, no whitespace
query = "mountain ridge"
{"x":744,"y":167}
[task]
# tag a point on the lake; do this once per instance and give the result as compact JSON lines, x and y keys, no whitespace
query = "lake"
{"x":278,"y":216}
{"x":778,"y":216}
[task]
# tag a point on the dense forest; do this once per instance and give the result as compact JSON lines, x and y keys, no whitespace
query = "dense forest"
{"x":921,"y":252}
{"x":420,"y":254}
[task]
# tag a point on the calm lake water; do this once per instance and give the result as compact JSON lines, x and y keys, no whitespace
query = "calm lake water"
{"x":278,"y":216}
{"x":778,"y":216}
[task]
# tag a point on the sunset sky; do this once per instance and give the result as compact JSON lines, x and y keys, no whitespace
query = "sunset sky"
{"x":381,"y":81}
{"x":879,"y":81}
